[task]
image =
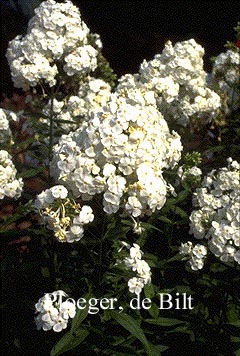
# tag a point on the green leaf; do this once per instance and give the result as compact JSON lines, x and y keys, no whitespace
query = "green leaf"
{"x":180,"y":212}
{"x":183,"y":195}
{"x":81,"y":314}
{"x":31,"y":172}
{"x":133,"y":327}
{"x":181,"y":329}
{"x":171,"y":201}
{"x":154,"y":311}
{"x":235,"y":323}
{"x":121,"y":351}
{"x":69,"y":341}
{"x":164,"y":321}
{"x":177,"y":257}
{"x":235,"y":339}
{"x":148,"y":226}
{"x":149,"y":291}
{"x":184,"y":289}
{"x":165,"y":219}
{"x":213,"y":149}
{"x":159,"y":348}
{"x":45,"y":272}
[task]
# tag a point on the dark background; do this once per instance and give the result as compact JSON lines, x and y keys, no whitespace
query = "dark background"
{"x":134,"y":30}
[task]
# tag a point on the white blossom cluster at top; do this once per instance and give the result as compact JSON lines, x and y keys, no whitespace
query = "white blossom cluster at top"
{"x":56,"y":40}
{"x":175,"y":84}
{"x":120,"y":152}
{"x":217,"y":218}
{"x":62,"y":215}
{"x":53,"y":312}
{"x":10,"y":186}
{"x":178,"y":80}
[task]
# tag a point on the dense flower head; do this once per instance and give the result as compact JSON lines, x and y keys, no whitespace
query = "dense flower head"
{"x":57,"y":39}
{"x":53,"y":313}
{"x":120,"y":152}
{"x":10,"y":186}
{"x":179,"y":82}
{"x":63,"y":215}
{"x":216,"y":216}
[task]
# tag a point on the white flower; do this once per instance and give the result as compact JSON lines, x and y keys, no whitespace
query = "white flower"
{"x":199,"y":251}
{"x":135,"y":285}
{"x":237,"y":257}
{"x":134,"y":206}
{"x":44,"y":304}
{"x":86,"y":215}
{"x":137,"y":228}
{"x":44,"y":199}
{"x":68,"y":309}
{"x":196,"y":263}
{"x":135,"y":251}
{"x":186,"y":248}
{"x":60,"y":324}
{"x":108,"y":169}
{"x":75,"y":229}
{"x":59,"y":191}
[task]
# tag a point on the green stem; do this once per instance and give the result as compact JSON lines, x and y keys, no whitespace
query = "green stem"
{"x":223,"y":312}
{"x":51,"y":131}
{"x":101,"y":253}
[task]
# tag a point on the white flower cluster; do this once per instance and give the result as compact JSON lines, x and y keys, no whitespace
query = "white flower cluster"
{"x":56,"y":38}
{"x":53,"y":312}
{"x":63,"y":215}
{"x":10,"y":186}
{"x":5,"y":131}
{"x":136,"y":264}
{"x":226,"y":68}
{"x":120,"y":152}
{"x":196,"y":254}
{"x":179,"y":82}
{"x":217,"y":217}
{"x":92,"y":97}
{"x":226,"y":74}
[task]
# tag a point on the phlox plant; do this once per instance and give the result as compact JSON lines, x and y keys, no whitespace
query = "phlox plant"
{"x":105,"y":197}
